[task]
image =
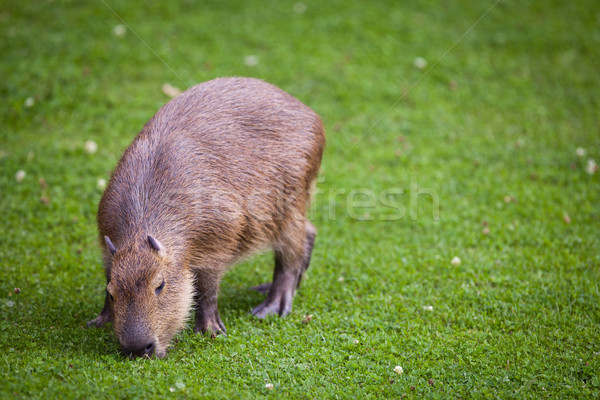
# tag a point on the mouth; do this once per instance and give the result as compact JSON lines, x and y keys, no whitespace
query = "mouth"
{"x":152,"y":353}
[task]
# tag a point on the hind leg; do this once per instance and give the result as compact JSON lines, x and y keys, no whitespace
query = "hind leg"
{"x":311,"y":234}
{"x":292,"y":259}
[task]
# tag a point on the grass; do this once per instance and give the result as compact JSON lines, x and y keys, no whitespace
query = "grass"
{"x":490,"y":132}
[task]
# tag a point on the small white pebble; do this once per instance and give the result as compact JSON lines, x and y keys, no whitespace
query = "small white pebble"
{"x":580,"y":151}
{"x":90,"y":147}
{"x":591,"y":167}
{"x":420,"y":63}
{"x":428,"y":308}
{"x":341,"y":279}
{"x":355,"y":341}
{"x":119,"y":30}
{"x":251,"y":60}
{"x":398,"y":369}
{"x":171,"y":390}
{"x":29,"y":102}
{"x":455,"y":261}
{"x":20,"y":175}
{"x":269,"y":386}
{"x":170,"y":90}
{"x":101,"y":183}
{"x":299,"y":8}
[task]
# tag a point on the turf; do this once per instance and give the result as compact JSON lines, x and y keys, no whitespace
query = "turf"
{"x":482,"y":154}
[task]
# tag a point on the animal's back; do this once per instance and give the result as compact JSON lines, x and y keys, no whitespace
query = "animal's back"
{"x":224,"y":167}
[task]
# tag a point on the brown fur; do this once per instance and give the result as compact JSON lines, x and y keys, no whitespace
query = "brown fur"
{"x":220,"y":172}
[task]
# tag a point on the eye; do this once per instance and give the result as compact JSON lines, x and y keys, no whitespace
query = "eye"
{"x":110,"y":296}
{"x":160,"y":288}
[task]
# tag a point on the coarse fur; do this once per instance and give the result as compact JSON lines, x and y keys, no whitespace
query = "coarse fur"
{"x":220,"y":172}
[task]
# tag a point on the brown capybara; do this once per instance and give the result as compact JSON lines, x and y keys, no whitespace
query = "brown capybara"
{"x":220,"y":172}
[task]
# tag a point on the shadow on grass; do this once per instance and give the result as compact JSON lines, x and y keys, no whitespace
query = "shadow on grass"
{"x":57,"y":326}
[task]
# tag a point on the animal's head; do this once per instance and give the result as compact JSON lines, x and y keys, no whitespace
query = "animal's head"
{"x":150,"y":297}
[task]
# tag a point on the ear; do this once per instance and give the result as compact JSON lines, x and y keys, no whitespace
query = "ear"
{"x":110,"y":246}
{"x":156,"y":246}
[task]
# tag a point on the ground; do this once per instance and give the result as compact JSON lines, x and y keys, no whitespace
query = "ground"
{"x":458,"y":205}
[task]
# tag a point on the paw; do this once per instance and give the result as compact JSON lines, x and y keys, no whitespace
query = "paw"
{"x":269,"y":307}
{"x":99,"y":321}
{"x":212,"y":325}
{"x":264,"y":288}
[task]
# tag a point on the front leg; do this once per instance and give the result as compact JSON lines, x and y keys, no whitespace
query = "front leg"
{"x":103,"y":317}
{"x":207,"y":312}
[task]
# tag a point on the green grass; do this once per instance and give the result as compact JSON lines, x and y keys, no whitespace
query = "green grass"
{"x":491,"y":131}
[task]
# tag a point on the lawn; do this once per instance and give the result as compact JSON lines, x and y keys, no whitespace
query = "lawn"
{"x":458,"y":206}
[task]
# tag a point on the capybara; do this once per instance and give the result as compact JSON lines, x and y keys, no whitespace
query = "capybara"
{"x":222,"y":171}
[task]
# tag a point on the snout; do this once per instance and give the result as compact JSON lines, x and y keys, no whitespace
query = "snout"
{"x":139,"y":349}
{"x":137,"y":341}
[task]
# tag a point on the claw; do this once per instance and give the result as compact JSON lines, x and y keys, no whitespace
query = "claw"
{"x":218,"y":330}
{"x":210,"y":321}
{"x":280,"y":305}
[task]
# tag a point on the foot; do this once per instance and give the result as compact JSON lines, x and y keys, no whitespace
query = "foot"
{"x":281,"y":307}
{"x":264,"y":288}
{"x":208,"y":320}
{"x":279,"y":299}
{"x":104,"y":315}
{"x":101,"y":319}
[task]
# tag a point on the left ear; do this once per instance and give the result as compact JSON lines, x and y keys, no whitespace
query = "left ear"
{"x":156,"y":246}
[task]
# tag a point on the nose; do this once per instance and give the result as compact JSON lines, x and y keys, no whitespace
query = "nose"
{"x":149,"y":349}
{"x":140,"y":351}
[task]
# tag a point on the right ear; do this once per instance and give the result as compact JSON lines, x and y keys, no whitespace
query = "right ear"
{"x":110,"y":246}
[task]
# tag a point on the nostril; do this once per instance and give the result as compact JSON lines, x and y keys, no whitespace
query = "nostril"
{"x":149,"y":348}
